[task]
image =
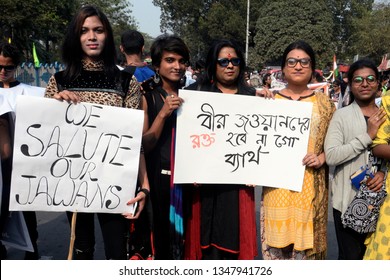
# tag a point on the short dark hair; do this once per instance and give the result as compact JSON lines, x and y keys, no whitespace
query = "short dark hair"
{"x":336,"y":82}
{"x":318,"y":77}
{"x":11,"y":51}
{"x":383,"y":78}
{"x":132,"y":42}
{"x":362,"y":63}
{"x":169,"y":43}
{"x":265,"y":77}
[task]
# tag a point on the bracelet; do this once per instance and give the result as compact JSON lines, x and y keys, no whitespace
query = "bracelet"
{"x":145,"y":191}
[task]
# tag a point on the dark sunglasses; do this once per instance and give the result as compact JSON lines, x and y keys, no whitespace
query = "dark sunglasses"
{"x":7,"y":67}
{"x":305,"y":62}
{"x":369,"y":79}
{"x":224,"y":62}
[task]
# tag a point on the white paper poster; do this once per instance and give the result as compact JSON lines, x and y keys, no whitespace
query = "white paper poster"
{"x":78,"y":157}
{"x":222,"y":138}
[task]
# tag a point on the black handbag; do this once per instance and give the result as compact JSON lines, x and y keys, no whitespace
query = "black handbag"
{"x":363,"y":212}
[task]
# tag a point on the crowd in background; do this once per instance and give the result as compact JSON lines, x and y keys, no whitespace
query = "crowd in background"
{"x":193,"y":222}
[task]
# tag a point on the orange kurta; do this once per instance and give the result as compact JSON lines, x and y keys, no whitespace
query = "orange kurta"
{"x":300,"y":218}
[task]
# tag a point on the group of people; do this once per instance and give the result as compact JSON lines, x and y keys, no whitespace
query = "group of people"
{"x":193,"y":221}
{"x":254,"y":79}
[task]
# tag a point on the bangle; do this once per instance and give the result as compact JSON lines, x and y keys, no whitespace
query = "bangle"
{"x":145,"y":191}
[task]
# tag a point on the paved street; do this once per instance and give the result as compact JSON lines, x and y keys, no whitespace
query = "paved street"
{"x":54,"y":236}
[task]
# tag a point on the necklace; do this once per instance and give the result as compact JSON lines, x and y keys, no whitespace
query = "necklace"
{"x":294,"y":95}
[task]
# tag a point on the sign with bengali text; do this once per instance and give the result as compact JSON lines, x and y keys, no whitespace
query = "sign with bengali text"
{"x":236,"y":139}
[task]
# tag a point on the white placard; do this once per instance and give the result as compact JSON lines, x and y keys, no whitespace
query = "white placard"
{"x":76,"y":157}
{"x":223,"y":138}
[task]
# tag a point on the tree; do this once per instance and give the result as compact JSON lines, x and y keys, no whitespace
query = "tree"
{"x":44,"y":22}
{"x":199,"y":22}
{"x":25,"y":22}
{"x":345,"y":14}
{"x":372,"y":33}
{"x":282,"y":22}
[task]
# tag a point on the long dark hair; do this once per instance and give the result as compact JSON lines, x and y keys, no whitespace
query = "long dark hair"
{"x":212,"y":57}
{"x":72,"y":53}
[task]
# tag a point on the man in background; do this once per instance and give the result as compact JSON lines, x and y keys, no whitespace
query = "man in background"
{"x":10,"y":88}
{"x":140,"y":231}
{"x":132,"y":47}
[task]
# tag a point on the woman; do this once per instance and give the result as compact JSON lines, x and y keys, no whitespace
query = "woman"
{"x":293,"y":224}
{"x":347,"y":147}
{"x":225,"y":232}
{"x":267,"y":81}
{"x":335,"y":92}
{"x":170,"y":57}
{"x":89,"y":53}
{"x":378,"y":247}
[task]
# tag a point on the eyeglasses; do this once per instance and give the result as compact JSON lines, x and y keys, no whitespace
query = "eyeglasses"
{"x":7,"y":68}
{"x":224,"y":62}
{"x":305,"y":62}
{"x":369,"y":79}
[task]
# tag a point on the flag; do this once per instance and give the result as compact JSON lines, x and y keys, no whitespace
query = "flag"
{"x":383,"y":65}
{"x":35,"y":56}
{"x":335,"y":69}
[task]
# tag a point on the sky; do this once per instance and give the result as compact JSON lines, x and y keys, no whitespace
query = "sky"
{"x":147,"y":16}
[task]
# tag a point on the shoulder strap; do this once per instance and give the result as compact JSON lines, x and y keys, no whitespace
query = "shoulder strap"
{"x":130,"y":69}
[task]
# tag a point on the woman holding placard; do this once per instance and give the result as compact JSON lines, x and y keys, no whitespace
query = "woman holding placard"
{"x":222,"y":223}
{"x":293,"y":224}
{"x":170,"y":56}
{"x":89,"y":54}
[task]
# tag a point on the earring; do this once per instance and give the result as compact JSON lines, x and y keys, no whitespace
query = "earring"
{"x":156,"y":78}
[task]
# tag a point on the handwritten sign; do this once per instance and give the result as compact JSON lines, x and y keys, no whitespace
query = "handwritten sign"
{"x":223,"y":138}
{"x":77,"y":157}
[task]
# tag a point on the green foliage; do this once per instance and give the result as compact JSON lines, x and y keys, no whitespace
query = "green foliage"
{"x":372,"y":33}
{"x":346,"y":14}
{"x":341,"y":27}
{"x":44,"y":22}
{"x":282,"y":22}
{"x":32,"y":21}
{"x":199,"y":22}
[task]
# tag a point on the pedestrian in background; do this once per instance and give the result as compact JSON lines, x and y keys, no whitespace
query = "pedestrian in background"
{"x":132,"y":47}
{"x":10,"y":89}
